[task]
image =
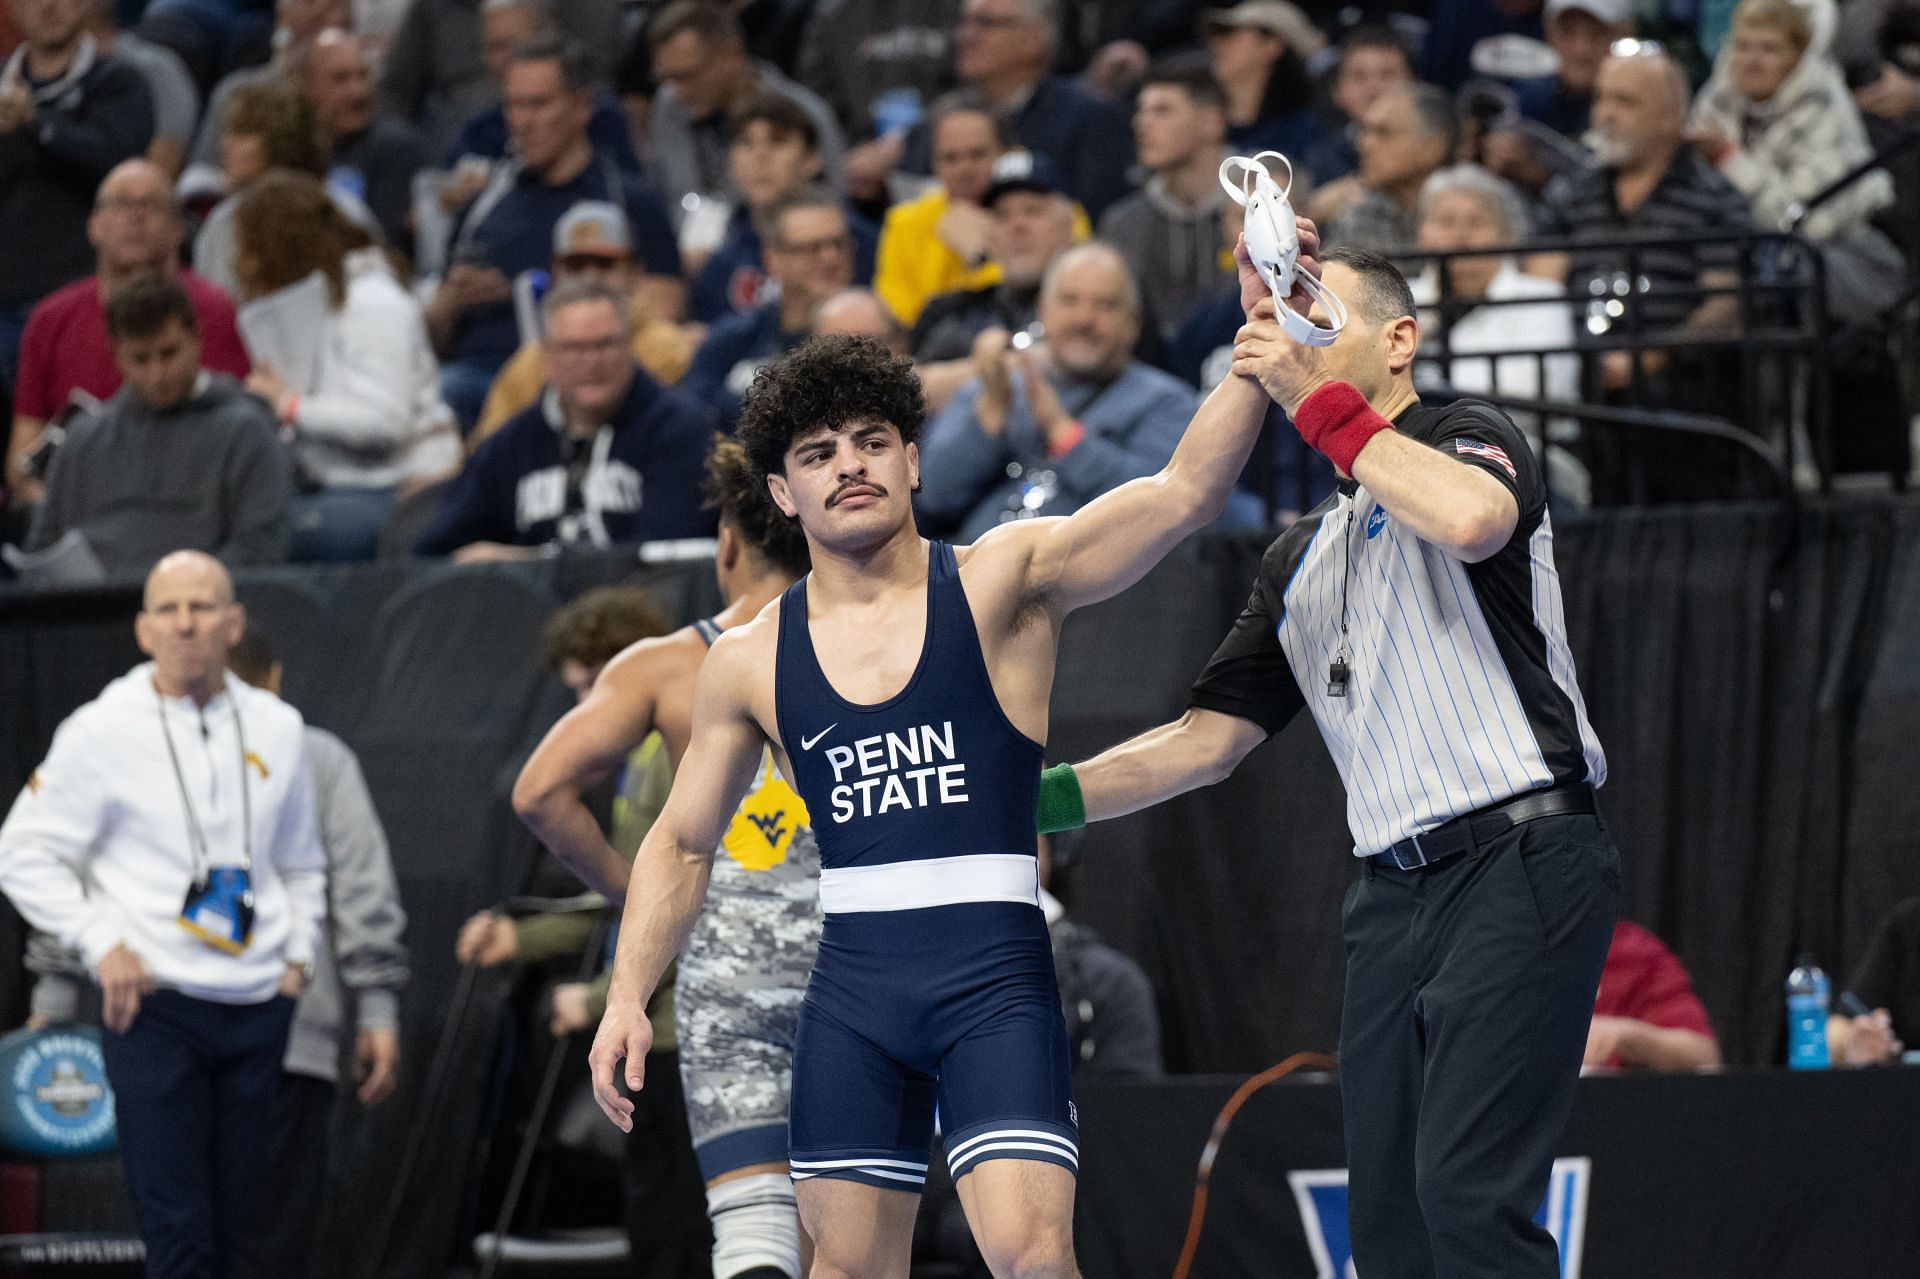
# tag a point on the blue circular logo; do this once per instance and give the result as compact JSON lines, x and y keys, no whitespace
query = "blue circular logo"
{"x":60,"y":1091}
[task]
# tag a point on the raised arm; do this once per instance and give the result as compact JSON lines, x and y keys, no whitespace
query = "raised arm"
{"x":669,"y":880}
{"x":1113,"y":541}
{"x":586,"y":747}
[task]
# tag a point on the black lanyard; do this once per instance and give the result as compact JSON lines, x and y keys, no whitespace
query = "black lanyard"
{"x":1339,"y":671}
{"x":196,"y":835}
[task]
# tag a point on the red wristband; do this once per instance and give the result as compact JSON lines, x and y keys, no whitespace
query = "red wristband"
{"x":1336,"y":421}
{"x":1068,"y":441}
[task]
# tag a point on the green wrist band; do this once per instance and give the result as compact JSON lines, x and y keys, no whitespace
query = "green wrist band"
{"x":1061,"y":806}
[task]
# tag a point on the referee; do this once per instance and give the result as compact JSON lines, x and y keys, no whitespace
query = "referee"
{"x":1416,"y":613}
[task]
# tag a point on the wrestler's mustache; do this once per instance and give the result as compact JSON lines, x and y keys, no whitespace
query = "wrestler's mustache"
{"x":860,"y":488}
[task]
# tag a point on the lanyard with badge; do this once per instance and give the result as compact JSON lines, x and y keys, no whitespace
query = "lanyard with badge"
{"x":219,"y":905}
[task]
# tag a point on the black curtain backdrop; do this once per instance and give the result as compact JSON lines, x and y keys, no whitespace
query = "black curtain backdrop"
{"x":1755,"y":680}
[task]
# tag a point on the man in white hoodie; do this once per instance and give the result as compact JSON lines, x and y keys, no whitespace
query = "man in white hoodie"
{"x":170,"y":836}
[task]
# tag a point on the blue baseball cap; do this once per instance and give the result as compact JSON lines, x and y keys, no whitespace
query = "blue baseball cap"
{"x":1023,"y":171}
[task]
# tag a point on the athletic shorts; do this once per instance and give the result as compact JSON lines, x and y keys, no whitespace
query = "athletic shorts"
{"x":737,"y":1000}
{"x":949,"y":1013}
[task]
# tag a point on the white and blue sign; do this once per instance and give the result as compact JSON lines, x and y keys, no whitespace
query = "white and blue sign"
{"x":58,"y":1101}
{"x":1322,"y":1197}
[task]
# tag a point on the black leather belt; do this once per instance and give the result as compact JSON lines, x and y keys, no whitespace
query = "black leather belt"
{"x":1464,"y":834}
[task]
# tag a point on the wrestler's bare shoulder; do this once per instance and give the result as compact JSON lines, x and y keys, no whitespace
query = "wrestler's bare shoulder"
{"x":743,"y":656}
{"x":648,"y":666}
{"x":1007,"y":570}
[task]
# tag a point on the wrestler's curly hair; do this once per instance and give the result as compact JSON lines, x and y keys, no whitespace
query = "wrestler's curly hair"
{"x":743,"y":501}
{"x":827,"y":383}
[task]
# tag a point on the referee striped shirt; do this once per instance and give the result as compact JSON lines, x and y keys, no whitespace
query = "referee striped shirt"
{"x":1460,"y":691}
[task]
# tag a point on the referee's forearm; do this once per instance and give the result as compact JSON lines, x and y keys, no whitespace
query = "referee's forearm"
{"x":1198,"y":749}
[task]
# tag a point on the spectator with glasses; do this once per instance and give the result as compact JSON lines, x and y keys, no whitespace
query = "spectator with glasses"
{"x":606,"y":457}
{"x":65,"y":356}
{"x":1405,"y":137}
{"x":1043,"y":432}
{"x":810,"y":253}
{"x":593,"y":241}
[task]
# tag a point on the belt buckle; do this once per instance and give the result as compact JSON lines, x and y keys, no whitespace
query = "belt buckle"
{"x":1418,"y":852}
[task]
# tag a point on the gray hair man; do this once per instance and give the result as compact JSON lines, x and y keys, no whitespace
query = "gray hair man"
{"x":860,"y":313}
{"x":1645,"y":180}
{"x":1405,"y":137}
{"x":607,"y":456}
{"x":1043,"y":430}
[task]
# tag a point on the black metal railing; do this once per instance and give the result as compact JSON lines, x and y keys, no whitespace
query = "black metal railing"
{"x":1646,"y":350}
{"x":1755,"y":388}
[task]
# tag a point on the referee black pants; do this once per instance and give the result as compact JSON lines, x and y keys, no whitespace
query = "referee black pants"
{"x":1470,"y":986}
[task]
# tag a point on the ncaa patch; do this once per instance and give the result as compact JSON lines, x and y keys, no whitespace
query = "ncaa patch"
{"x":58,"y":1101}
{"x":1321,"y":1195}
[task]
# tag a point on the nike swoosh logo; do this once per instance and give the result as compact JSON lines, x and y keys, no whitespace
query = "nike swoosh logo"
{"x":806,"y":743}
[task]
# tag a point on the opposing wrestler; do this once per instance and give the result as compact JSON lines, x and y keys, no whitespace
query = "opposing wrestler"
{"x":741,"y":978}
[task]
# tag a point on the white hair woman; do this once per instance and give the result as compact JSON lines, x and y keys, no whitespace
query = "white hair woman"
{"x":1465,"y":208}
{"x":1776,"y":119}
{"x":1480,"y":304}
{"x":1778,"y":122}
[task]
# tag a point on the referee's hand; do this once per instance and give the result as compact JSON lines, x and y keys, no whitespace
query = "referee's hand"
{"x":1288,"y":371}
{"x":625,"y":1035}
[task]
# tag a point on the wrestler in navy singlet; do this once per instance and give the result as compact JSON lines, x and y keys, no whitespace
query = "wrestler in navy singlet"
{"x":934,"y":983}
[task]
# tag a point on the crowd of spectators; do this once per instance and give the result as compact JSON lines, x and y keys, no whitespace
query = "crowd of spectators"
{"x":385,"y":194}
{"x":321,"y":280}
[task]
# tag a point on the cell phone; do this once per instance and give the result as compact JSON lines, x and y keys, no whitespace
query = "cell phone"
{"x":37,"y":459}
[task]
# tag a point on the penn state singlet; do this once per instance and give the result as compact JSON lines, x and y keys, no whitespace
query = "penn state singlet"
{"x":934,"y":991}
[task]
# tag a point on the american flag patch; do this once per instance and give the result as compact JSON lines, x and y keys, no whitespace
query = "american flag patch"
{"x":1492,"y":452}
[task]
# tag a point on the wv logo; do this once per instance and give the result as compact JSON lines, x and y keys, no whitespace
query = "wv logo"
{"x":759,"y":835}
{"x":772,"y":825}
{"x":1376,"y":522}
{"x":1322,"y":1198}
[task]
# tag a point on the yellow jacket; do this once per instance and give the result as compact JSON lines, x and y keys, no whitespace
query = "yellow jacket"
{"x":915,"y":265}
